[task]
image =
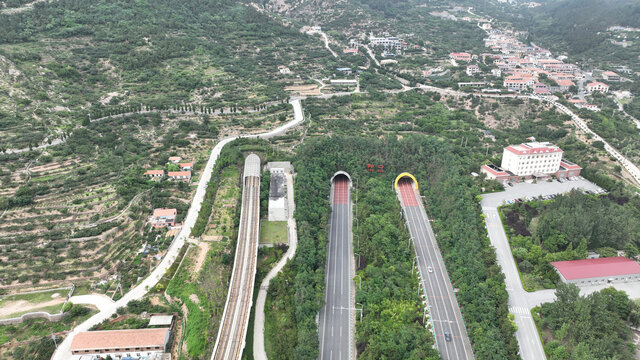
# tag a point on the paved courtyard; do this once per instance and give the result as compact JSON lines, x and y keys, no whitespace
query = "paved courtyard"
{"x":524,"y":190}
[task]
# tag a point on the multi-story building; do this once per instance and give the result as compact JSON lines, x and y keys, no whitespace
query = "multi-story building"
{"x":390,"y":43}
{"x":597,"y":87}
{"x":472,"y":69}
{"x":462,"y":56}
{"x":610,"y":76}
{"x":533,"y":158}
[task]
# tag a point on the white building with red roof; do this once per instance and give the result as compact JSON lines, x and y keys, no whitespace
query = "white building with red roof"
{"x":175,"y":159}
{"x":180,"y":175}
{"x":597,"y":87}
{"x":601,"y":270}
{"x":462,"y":56}
{"x":119,"y":344}
{"x":533,"y":158}
{"x":163,"y":217}
{"x":186,"y":166}
{"x":155,"y":174}
{"x":610,"y":76}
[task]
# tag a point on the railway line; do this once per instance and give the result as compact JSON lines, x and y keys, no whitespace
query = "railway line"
{"x":233,"y":329}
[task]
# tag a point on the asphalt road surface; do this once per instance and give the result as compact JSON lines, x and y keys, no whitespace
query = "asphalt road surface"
{"x":443,"y":306}
{"x":336,"y":315}
{"x":63,"y":351}
{"x":520,"y":302}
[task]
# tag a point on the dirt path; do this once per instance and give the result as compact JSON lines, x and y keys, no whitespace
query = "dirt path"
{"x":21,"y":306}
{"x":203,"y":249}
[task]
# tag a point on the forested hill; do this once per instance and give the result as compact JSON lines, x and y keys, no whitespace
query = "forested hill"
{"x":579,"y":26}
{"x":71,"y":54}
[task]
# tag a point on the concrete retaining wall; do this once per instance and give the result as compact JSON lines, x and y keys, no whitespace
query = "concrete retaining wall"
{"x":33,"y":315}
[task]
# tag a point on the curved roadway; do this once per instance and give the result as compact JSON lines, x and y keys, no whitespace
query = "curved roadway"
{"x":63,"y":351}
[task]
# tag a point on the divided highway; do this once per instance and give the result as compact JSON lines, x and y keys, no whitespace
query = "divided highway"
{"x":443,"y":307}
{"x":235,"y":319}
{"x":336,"y":316}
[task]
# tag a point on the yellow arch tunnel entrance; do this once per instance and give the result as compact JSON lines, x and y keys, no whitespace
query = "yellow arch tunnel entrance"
{"x":406,"y":174}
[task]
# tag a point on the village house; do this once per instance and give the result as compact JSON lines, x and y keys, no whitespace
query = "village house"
{"x":597,"y":87}
{"x":463,"y":56}
{"x":187,"y":166}
{"x":519,"y":82}
{"x":163,"y":217}
{"x":564,"y":85}
{"x":180,"y":176}
{"x":472,"y":69}
{"x":175,"y":159}
{"x":541,"y":89}
{"x":284,"y":70}
{"x":610,"y":76}
{"x":155,"y":174}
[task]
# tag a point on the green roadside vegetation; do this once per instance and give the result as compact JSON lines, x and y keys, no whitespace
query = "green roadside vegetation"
{"x":589,"y":327}
{"x":388,"y":286}
{"x":34,"y":335}
{"x":203,"y":293}
{"x":567,"y":228}
{"x":268,"y":257}
{"x":273,"y":232}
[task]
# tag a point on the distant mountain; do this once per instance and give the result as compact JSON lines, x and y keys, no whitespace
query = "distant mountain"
{"x":578,"y":26}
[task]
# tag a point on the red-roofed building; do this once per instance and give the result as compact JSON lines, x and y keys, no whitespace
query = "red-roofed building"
{"x":533,"y":158}
{"x":180,"y":175}
{"x":463,"y":56}
{"x":597,"y":86}
{"x":610,"y":76}
{"x":541,"y":88}
{"x":568,"y":169}
{"x":118,"y":344}
{"x":163,"y":217}
{"x":155,"y":174}
{"x":564,"y":85}
{"x":495,"y":172}
{"x":601,"y":270}
{"x":175,"y":159}
{"x":186,"y":166}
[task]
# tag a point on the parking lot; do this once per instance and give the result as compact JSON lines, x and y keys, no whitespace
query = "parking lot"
{"x":542,"y":190}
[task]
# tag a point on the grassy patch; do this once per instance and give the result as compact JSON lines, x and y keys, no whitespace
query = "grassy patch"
{"x":273,"y":232}
{"x":210,"y":287}
{"x":36,"y":328}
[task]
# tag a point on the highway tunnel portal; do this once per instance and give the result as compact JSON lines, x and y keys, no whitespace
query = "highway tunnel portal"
{"x":405,"y":176}
{"x":340,"y":174}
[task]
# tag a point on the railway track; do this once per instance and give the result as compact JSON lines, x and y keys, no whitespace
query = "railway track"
{"x":232,"y":332}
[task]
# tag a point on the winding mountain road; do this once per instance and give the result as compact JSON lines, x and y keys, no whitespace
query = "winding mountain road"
{"x":63,"y":351}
